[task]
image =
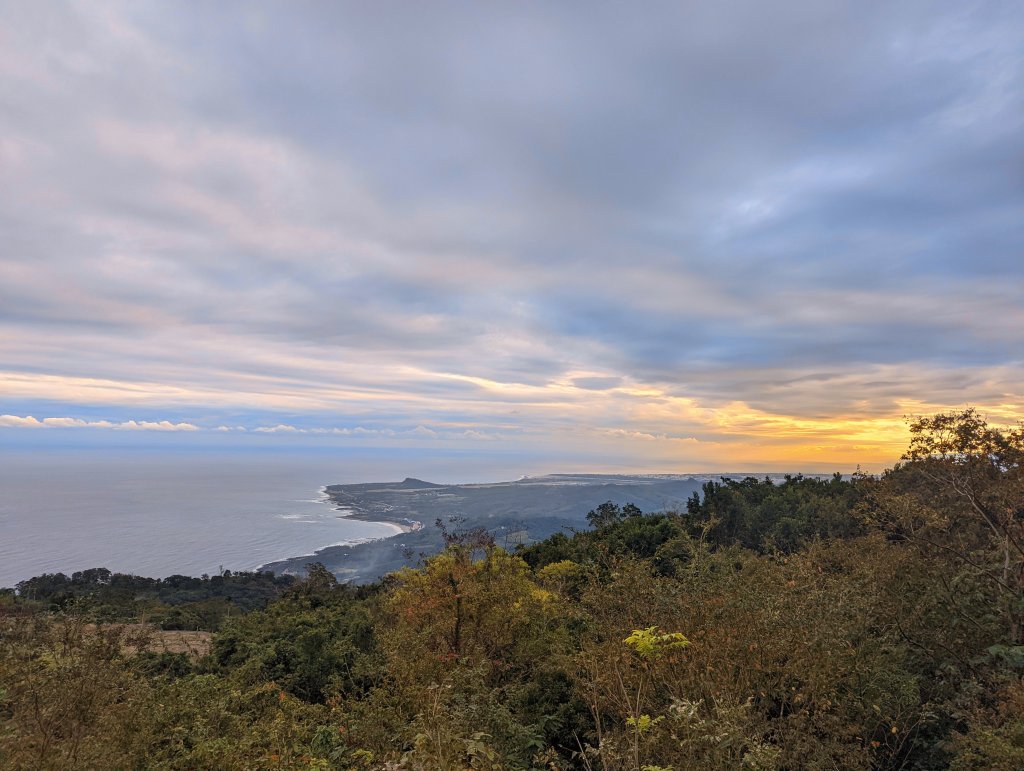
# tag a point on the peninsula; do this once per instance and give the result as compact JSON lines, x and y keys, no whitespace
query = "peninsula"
{"x":516,"y":512}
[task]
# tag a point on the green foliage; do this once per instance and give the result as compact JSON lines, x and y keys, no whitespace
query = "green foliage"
{"x":864,"y":623}
{"x":652,"y":536}
{"x":175,"y":602}
{"x":608,"y":513}
{"x":649,"y":644}
{"x":317,"y":641}
{"x":765,"y":516}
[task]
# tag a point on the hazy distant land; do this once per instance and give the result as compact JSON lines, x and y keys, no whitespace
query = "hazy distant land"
{"x":522,"y":511}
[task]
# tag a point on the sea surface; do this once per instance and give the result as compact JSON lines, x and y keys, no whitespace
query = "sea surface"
{"x":160,"y":514}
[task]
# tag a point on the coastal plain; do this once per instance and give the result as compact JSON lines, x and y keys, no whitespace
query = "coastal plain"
{"x":513,"y":513}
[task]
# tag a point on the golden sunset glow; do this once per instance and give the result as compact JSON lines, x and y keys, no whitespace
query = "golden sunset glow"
{"x":579,"y":261}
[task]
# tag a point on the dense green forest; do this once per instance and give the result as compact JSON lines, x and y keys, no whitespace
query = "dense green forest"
{"x":864,"y":622}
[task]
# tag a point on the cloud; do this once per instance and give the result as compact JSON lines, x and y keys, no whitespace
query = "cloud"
{"x":147,"y":425}
{"x":74,"y":423}
{"x":500,"y":221}
{"x":424,"y":432}
{"x":597,"y":383}
{"x":622,"y":433}
{"x":15,"y":421}
{"x":481,"y":436}
{"x":417,"y":432}
{"x":278,"y":429}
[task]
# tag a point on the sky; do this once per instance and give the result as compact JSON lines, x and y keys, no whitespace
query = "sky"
{"x":659,"y":237}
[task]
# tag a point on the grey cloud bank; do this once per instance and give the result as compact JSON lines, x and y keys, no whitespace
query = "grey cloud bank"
{"x":533,"y":219}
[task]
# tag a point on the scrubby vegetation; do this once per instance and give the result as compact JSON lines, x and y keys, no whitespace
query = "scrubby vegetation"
{"x":175,"y":602}
{"x":872,"y":622}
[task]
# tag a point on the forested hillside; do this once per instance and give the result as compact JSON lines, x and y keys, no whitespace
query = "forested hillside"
{"x":872,"y":622}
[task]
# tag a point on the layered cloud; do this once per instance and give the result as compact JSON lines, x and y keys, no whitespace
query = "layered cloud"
{"x":698,"y":235}
{"x":28,"y":421}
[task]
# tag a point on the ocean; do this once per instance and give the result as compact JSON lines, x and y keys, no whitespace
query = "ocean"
{"x":157,"y":514}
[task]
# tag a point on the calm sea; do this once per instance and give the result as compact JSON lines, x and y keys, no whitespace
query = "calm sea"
{"x":161,"y":514}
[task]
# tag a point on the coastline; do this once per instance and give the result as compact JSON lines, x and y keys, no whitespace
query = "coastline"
{"x":401,"y":526}
{"x":513,"y":513}
{"x":346,"y":509}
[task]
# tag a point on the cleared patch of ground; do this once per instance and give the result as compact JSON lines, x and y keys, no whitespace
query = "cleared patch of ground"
{"x":135,"y":638}
{"x":195,"y":644}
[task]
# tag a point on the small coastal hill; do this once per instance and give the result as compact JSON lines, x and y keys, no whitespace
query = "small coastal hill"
{"x":516,"y":512}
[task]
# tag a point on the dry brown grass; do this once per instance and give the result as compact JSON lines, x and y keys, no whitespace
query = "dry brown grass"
{"x":195,"y":644}
{"x":144,"y":637}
